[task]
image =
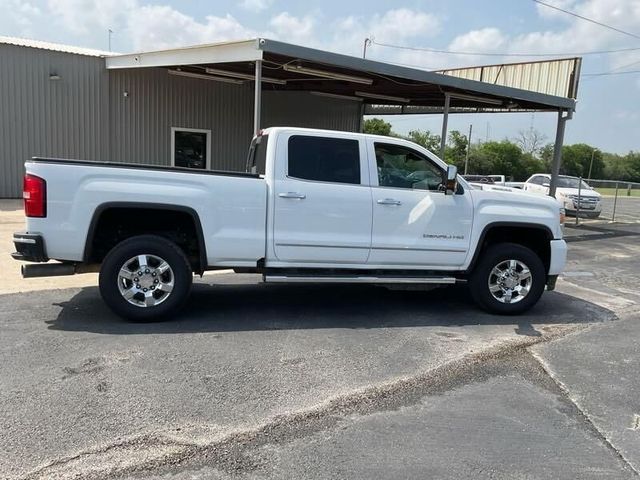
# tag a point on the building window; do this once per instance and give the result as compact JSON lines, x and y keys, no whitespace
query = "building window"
{"x":324,"y":159}
{"x":190,"y":148}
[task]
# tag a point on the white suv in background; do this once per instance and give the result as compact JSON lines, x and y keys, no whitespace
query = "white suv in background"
{"x":567,"y":193}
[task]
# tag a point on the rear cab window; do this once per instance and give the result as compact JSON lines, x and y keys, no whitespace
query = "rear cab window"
{"x":257,"y":157}
{"x":324,"y":159}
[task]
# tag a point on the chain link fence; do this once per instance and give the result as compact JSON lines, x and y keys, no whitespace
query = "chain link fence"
{"x":620,"y":202}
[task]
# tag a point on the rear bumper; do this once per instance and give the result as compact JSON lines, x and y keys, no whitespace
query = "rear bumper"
{"x":29,"y":247}
{"x":558,"y":257}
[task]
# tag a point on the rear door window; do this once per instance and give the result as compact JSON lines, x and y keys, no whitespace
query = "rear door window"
{"x":324,"y":159}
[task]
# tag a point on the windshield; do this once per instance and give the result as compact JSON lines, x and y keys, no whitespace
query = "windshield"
{"x":572,"y":182}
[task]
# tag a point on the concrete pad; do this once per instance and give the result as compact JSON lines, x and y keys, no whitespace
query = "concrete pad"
{"x":78,"y":380}
{"x":599,"y":370}
{"x":12,"y":220}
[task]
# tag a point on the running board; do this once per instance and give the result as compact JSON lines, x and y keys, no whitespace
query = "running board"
{"x":358,"y":279}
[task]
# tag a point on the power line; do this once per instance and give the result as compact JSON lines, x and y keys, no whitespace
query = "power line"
{"x":609,"y":73}
{"x":588,"y":19}
{"x":615,"y":71}
{"x":505,"y":54}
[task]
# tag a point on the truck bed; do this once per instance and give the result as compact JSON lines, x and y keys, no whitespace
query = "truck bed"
{"x":141,"y":166}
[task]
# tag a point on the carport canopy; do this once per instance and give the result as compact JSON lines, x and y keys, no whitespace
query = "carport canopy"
{"x":381,"y":88}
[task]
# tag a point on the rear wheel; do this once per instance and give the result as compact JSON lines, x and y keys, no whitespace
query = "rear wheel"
{"x":145,"y":278}
{"x":509,"y":279}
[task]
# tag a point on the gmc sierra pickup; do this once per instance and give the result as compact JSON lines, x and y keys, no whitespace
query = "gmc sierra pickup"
{"x":314,"y":206}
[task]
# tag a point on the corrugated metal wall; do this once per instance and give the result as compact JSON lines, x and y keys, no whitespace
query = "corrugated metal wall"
{"x":39,"y":116}
{"x":141,"y":122}
{"x":301,"y":109}
{"x":86,"y":114}
{"x":156,"y":101}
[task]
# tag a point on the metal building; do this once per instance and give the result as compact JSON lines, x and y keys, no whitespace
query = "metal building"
{"x":199,"y":106}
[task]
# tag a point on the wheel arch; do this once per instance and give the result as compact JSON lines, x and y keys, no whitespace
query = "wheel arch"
{"x":498,"y":232}
{"x":89,"y":253}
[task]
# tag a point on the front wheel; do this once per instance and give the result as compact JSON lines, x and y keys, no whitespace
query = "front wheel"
{"x":509,"y":279}
{"x":145,"y":278}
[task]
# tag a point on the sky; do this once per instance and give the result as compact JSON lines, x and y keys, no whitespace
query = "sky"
{"x":608,"y":111}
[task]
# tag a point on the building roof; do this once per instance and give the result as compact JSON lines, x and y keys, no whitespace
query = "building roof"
{"x":414,"y":90}
{"x":56,"y":47}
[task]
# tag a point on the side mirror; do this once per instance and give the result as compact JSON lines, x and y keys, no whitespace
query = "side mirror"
{"x":451,"y":182}
{"x":545,"y":184}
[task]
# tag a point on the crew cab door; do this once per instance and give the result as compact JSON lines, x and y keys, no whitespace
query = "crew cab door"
{"x":322,"y":200}
{"x":414,"y":223}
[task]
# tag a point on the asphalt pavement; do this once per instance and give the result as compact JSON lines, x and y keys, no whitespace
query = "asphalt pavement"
{"x":274,"y":381}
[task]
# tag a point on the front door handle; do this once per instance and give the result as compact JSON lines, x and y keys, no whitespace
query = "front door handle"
{"x":299,"y":196}
{"x":389,"y":201}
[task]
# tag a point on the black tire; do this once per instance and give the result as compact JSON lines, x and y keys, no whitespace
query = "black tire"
{"x":155,"y":247}
{"x":494,"y":256}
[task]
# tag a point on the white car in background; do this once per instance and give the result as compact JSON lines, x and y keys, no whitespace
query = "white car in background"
{"x":567,"y":192}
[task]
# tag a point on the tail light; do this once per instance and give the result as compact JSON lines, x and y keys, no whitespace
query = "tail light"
{"x":34,"y":192}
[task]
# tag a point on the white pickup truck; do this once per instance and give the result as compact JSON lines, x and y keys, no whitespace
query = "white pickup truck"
{"x":315,"y":206}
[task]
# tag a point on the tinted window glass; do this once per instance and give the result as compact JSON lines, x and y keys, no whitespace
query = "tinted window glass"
{"x":402,"y":167}
{"x":257,"y":158}
{"x":324,"y":159}
{"x":190,"y":149}
{"x":538,"y":180}
{"x":571,"y":182}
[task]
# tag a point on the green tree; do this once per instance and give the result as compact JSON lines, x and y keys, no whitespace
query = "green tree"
{"x":456,"y":149}
{"x":576,"y":160}
{"x":500,"y":158}
{"x":529,"y":165}
{"x":426,"y":139}
{"x":377,"y":126}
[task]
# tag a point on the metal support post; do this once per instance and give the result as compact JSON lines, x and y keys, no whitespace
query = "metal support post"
{"x":615,"y":203}
{"x":445,"y":120}
{"x":257,"y":99}
{"x":466,"y":157}
{"x":557,"y":151}
{"x":579,"y":200}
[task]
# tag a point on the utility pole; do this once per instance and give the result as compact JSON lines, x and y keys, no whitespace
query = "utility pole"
{"x":466,"y":158}
{"x":591,"y":164}
{"x":367,"y":42}
{"x":110,"y":33}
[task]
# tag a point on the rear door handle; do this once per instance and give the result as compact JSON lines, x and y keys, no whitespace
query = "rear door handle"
{"x":299,"y":196}
{"x":389,"y":201}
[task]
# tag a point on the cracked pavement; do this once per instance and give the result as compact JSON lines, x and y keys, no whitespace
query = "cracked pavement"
{"x":268,"y":381}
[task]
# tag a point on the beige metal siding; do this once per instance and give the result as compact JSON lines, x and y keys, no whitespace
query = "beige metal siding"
{"x":553,"y":77}
{"x":39,"y":116}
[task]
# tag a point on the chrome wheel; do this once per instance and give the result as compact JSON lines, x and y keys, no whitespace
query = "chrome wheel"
{"x":510,"y":281}
{"x":145,"y":280}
